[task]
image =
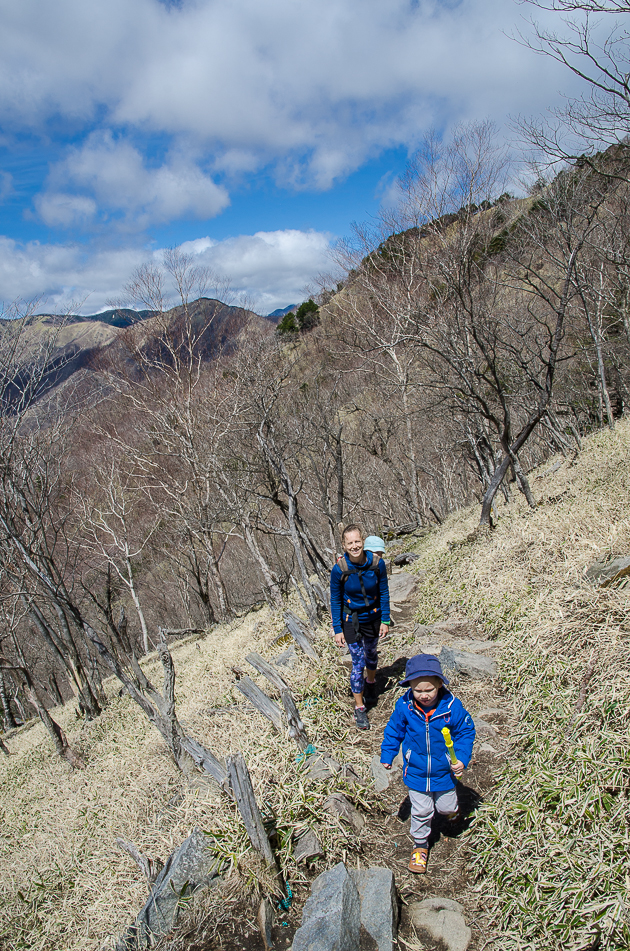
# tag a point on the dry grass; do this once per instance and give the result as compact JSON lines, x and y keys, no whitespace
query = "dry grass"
{"x":552,"y":851}
{"x":63,"y":881}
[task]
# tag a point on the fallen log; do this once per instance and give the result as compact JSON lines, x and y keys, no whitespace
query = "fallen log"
{"x":259,"y":699}
{"x":296,"y":629}
{"x":266,"y":669}
{"x":243,"y":791}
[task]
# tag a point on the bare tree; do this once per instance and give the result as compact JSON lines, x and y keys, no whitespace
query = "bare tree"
{"x":602,"y":113}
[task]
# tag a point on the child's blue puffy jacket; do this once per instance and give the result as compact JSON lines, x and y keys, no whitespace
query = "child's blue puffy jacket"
{"x":426,"y":766}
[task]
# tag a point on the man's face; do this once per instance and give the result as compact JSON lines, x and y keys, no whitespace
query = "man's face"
{"x":353,"y":544}
{"x":426,"y":689}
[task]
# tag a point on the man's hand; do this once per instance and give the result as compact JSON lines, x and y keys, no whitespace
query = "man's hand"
{"x":340,"y":639}
{"x":384,"y":630}
{"x":458,"y":768}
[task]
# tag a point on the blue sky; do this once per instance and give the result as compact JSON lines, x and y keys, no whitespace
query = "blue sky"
{"x":252,"y":133}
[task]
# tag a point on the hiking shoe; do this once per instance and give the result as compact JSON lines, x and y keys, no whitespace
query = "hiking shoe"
{"x":369,"y":690}
{"x":418,"y":861}
{"x":361,"y":718}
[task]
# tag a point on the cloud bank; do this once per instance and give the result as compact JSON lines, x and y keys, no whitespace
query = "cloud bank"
{"x":158,"y":110}
{"x":268,"y":269}
{"x":313,"y":87}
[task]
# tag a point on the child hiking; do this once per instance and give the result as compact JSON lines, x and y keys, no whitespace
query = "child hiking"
{"x":359,"y":606}
{"x":417,"y":723}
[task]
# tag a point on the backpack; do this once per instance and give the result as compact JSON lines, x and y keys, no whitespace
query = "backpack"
{"x":349,"y":570}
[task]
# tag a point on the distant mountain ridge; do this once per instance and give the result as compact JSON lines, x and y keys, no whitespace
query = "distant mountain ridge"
{"x":281,"y":312}
{"x":86,"y":345}
{"x":117,"y":317}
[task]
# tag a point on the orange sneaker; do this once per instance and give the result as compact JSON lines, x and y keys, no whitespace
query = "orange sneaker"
{"x":418,"y":860}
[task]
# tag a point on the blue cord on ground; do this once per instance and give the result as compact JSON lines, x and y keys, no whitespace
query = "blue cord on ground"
{"x":285,"y":903}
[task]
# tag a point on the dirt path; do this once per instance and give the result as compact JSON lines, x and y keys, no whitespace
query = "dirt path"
{"x":387,"y":841}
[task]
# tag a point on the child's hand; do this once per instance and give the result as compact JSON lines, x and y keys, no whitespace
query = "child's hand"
{"x":386,"y":765}
{"x":458,"y":768}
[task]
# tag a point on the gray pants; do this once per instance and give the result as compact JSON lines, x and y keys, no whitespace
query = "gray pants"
{"x":423,"y":805}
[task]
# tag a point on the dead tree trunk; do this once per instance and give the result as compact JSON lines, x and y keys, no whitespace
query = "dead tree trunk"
{"x":296,"y":629}
{"x":9,"y":719}
{"x":33,"y":696}
{"x":243,"y":791}
{"x":160,"y":708}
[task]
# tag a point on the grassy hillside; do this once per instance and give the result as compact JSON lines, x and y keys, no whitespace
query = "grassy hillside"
{"x":551,"y":848}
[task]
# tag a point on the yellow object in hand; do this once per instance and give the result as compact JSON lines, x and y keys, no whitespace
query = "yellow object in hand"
{"x":446,"y":733}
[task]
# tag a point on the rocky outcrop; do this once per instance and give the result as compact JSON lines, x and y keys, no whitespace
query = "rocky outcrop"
{"x":350,"y":910}
{"x":190,"y":868}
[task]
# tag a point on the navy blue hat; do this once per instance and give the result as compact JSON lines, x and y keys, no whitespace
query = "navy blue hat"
{"x":423,"y":665}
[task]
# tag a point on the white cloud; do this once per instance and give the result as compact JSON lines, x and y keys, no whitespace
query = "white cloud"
{"x":59,"y":210}
{"x":114,"y":172}
{"x":315,"y":85}
{"x":271,"y":268}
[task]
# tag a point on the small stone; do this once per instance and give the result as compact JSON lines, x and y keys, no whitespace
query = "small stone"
{"x":337,"y":804}
{"x":442,"y":920}
{"x":307,"y":846}
{"x":604,"y":573}
{"x":381,"y":776}
{"x":484,"y":728}
{"x":350,"y":775}
{"x":331,"y":920}
{"x":379,"y":906}
{"x":398,"y":759}
{"x":321,"y":767}
{"x":287,"y":658}
{"x":469,"y":665}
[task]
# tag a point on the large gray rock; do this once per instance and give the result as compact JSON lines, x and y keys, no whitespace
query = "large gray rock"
{"x":379,"y":906}
{"x":467,"y":664}
{"x":401,"y":585}
{"x":443,"y":920}
{"x":331,"y":920}
{"x":605,"y":572}
{"x":191,"y":867}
